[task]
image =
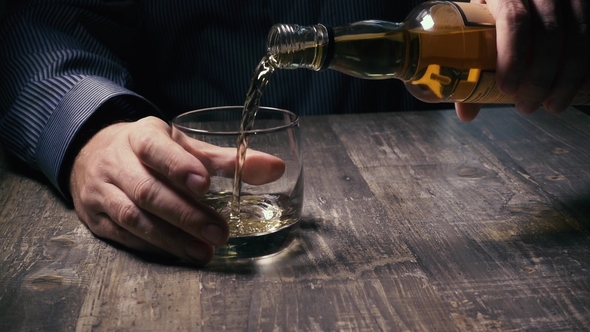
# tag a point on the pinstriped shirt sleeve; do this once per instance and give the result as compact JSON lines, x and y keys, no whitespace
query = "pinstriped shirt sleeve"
{"x":59,"y":66}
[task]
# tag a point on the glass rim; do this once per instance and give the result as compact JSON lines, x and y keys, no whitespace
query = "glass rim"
{"x":293,"y":123}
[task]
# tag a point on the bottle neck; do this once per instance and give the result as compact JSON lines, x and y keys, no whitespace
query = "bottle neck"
{"x":366,"y":49}
{"x":292,"y":46}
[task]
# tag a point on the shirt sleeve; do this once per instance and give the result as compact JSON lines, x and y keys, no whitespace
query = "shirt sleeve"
{"x":64,"y":76}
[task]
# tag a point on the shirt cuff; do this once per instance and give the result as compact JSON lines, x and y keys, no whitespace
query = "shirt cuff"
{"x":72,"y":113}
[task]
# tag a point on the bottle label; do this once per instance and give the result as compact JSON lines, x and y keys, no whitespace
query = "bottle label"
{"x":487,"y":91}
{"x":475,"y":14}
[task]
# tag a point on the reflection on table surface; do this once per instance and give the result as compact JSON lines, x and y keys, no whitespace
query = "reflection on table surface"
{"x":412,"y":221}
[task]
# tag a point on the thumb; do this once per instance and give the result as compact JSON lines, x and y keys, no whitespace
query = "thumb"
{"x":259,"y":167}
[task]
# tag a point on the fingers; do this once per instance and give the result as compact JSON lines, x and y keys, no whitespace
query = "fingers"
{"x":513,"y":25}
{"x":259,"y":167}
{"x":543,"y":51}
{"x":104,"y":227}
{"x":149,"y":193}
{"x":123,"y":199}
{"x":176,"y":161}
{"x":142,"y":213}
{"x":544,"y":54}
{"x":574,"y":57}
{"x":162,"y":234}
{"x":141,"y":180}
{"x":467,"y":112}
{"x":89,"y":202}
{"x":512,"y":35}
{"x":154,"y":147}
{"x":143,"y":232}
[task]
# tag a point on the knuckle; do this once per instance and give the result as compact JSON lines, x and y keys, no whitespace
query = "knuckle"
{"x":514,"y":57}
{"x":170,"y":244}
{"x":579,"y":31}
{"x":144,"y":143}
{"x":147,"y":144}
{"x":103,"y":226}
{"x":174,"y":167}
{"x":186,"y":217}
{"x":85,"y":195}
{"x":174,"y":164}
{"x":514,"y":12}
{"x":145,"y":191}
{"x":87,"y":198}
{"x":578,"y":17}
{"x":128,"y":215}
{"x":96,"y":223}
{"x":552,"y":26}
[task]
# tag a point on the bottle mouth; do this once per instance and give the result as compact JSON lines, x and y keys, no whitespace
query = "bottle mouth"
{"x":295,"y":46}
{"x":283,"y":39}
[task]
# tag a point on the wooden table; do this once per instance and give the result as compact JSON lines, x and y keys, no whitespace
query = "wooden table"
{"x":412,"y":221}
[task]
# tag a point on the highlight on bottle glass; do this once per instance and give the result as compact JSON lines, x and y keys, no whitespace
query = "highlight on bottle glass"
{"x":262,"y":197}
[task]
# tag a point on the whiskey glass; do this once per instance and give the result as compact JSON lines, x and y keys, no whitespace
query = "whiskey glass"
{"x":268,"y":213}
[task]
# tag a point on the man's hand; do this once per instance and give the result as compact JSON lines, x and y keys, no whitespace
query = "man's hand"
{"x":543,"y":53}
{"x":134,"y":184}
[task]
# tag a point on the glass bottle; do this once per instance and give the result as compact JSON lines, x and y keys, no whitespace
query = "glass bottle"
{"x":444,"y":52}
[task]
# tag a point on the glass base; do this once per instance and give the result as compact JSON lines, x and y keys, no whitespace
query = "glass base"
{"x":257,"y":245}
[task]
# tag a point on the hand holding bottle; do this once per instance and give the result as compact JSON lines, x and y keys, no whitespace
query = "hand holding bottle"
{"x":543,"y":53}
{"x":134,"y":184}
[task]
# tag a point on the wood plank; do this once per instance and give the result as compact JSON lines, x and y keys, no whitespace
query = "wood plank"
{"x":412,"y":221}
{"x":476,"y":246}
{"x":42,"y":275}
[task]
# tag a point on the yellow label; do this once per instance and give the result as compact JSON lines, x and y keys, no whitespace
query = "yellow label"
{"x":475,"y":14}
{"x":487,"y":91}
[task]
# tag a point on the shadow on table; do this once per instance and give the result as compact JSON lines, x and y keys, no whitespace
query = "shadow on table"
{"x":580,"y":208}
{"x":564,"y":223}
{"x":540,"y":239}
{"x":19,"y":168}
{"x":296,"y":247}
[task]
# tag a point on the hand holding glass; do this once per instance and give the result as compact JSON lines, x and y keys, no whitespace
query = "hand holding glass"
{"x":270,"y":200}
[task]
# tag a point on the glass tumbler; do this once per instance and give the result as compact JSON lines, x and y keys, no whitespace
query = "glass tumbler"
{"x":269,"y":208}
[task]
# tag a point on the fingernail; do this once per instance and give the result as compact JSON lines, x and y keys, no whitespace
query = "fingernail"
{"x":196,"y":183}
{"x":212,"y":233}
{"x":556,"y":105}
{"x":197,"y":251}
{"x":527,"y":106}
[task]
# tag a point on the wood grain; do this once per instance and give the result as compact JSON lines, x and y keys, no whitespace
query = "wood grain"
{"x":413,"y":221}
